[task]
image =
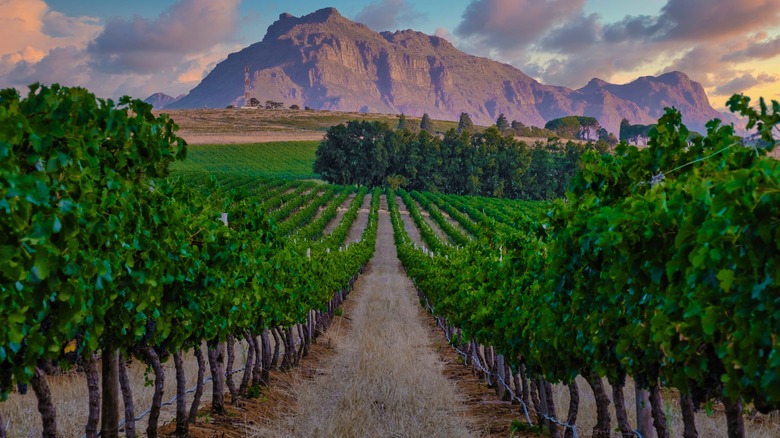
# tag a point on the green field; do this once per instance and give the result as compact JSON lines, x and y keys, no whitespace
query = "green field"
{"x":285,"y":160}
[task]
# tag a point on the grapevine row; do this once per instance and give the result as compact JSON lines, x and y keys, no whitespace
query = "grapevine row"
{"x":103,"y":258}
{"x":661,"y":264}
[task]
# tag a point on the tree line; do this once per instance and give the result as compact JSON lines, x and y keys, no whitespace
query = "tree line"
{"x":488,"y":163}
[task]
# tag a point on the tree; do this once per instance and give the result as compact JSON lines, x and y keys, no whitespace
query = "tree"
{"x":355,"y":153}
{"x":403,"y":123}
{"x":589,"y":128}
{"x":295,"y":107}
{"x":579,"y":127}
{"x":517,"y":126}
{"x":502,"y":124}
{"x":426,"y":124}
{"x":465,"y":123}
{"x":253,"y":102}
{"x":634,"y":133}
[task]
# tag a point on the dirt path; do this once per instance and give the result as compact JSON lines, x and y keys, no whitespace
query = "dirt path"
{"x":432,"y":223}
{"x":411,"y":228}
{"x":361,"y":221}
{"x":339,"y":214}
{"x":386,"y":379}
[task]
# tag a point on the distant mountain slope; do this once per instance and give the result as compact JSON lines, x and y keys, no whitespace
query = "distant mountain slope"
{"x":325,"y":61}
{"x":161,"y":100}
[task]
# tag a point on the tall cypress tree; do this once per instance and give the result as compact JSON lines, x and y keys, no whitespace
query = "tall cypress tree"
{"x":465,"y":123}
{"x":426,"y":124}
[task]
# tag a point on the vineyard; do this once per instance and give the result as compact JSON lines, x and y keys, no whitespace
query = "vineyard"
{"x":106,"y":258}
{"x":121,"y":246}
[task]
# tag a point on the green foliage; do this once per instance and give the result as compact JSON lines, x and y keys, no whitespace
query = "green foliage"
{"x":486,"y":163}
{"x":355,"y":153}
{"x":575,"y":127}
{"x":634,"y":133}
{"x":502,"y":123}
{"x":426,"y":124}
{"x":403,"y":122}
{"x":101,"y":251}
{"x":531,"y":131}
{"x":465,"y":124}
{"x":76,"y":175}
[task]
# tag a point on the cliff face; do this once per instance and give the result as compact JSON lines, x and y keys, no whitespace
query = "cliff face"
{"x":325,"y":61}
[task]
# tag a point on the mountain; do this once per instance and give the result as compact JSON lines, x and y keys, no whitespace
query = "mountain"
{"x":161,"y":100}
{"x":325,"y":61}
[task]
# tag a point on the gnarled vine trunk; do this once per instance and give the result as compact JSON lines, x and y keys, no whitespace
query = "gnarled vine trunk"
{"x":574,"y":406}
{"x":734,"y":420}
{"x":659,"y":418}
{"x":603,"y":428}
{"x":231,"y":357}
{"x":45,"y":404}
{"x":266,"y":346}
{"x":619,"y":400}
{"x":109,"y":422}
{"x":216,"y":357}
{"x":198,"y":385}
{"x":689,"y":423}
{"x":159,"y":386}
{"x":127,"y":397}
{"x":540,"y":420}
{"x":93,"y":395}
{"x":250,"y":356}
{"x":182,"y":425}
{"x":277,"y":343}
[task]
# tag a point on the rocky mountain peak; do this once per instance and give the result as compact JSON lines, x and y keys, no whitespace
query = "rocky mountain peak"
{"x":321,"y":17}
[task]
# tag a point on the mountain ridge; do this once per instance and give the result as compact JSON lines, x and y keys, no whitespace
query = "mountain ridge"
{"x":325,"y":61}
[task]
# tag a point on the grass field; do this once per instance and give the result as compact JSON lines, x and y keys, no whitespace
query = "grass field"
{"x":285,"y":160}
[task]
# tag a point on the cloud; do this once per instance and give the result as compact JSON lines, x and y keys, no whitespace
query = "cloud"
{"x":687,"y":20}
{"x":387,"y":15}
{"x":511,"y":25}
{"x":764,"y":49}
{"x":558,"y":43}
{"x":577,"y":34}
{"x":744,"y":82}
{"x":145,"y":46}
{"x":136,"y":57}
{"x":30,"y":23}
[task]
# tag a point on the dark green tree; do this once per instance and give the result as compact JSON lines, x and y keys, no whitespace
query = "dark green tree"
{"x":634,"y":133}
{"x":465,"y":123}
{"x":355,"y":153}
{"x":502,"y":124}
{"x":426,"y":124}
{"x":403,"y":123}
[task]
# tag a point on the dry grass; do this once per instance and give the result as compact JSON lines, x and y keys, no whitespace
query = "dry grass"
{"x":386,"y":379}
{"x":222,"y":126}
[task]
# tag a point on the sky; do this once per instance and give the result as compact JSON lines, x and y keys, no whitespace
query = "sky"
{"x":145,"y":46}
